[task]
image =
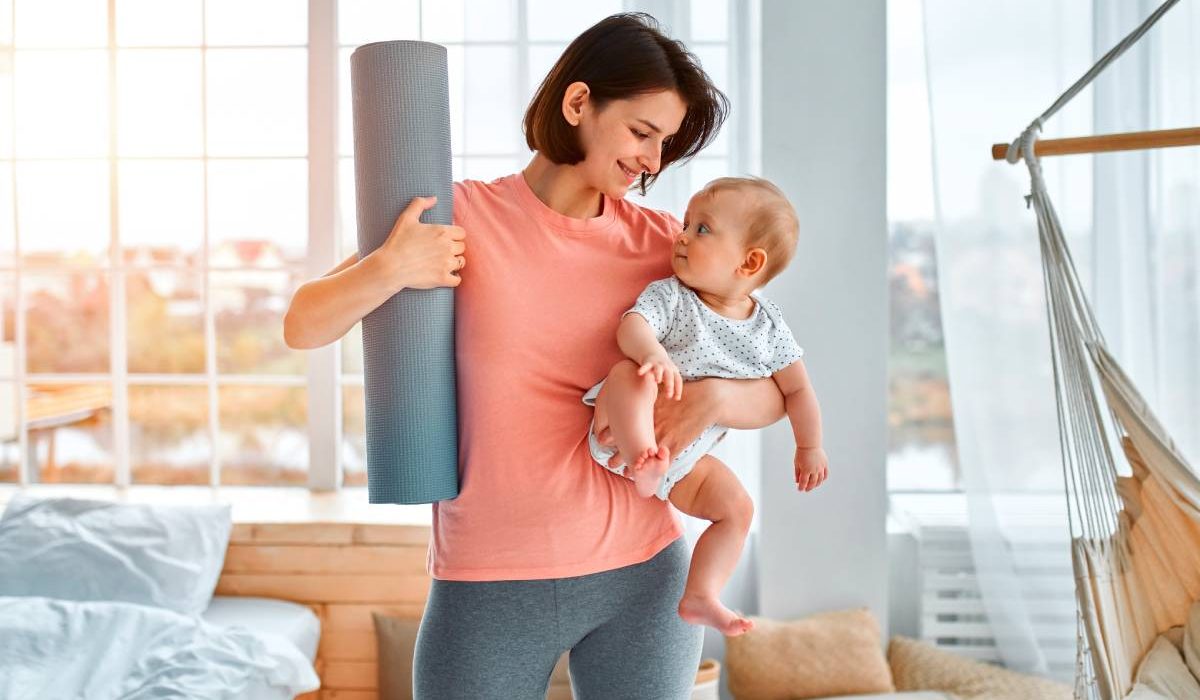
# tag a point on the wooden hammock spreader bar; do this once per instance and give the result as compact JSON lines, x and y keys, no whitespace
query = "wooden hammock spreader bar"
{"x":1132,"y":141}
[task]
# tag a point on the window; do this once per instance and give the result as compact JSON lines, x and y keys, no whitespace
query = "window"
{"x":152,"y":164}
{"x":170,"y":174}
{"x":921,"y":455}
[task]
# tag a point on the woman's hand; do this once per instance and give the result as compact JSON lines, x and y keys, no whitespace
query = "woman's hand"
{"x":422,"y":256}
{"x":677,"y":422}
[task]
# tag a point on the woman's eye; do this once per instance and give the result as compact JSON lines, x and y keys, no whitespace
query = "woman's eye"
{"x":639,"y":134}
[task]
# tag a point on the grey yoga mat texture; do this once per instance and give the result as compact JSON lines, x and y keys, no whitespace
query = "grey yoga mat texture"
{"x":401,"y":104}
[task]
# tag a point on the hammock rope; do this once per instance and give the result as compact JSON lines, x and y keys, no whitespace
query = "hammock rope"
{"x":1118,"y":610}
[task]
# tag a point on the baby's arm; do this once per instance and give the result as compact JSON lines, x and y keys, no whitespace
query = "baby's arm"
{"x":637,"y":340}
{"x":805,"y":415}
{"x":800,"y":402}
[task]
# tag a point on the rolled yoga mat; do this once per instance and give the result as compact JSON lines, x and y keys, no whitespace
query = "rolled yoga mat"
{"x":401,"y":101}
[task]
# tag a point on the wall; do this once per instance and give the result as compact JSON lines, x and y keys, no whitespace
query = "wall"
{"x":824,"y":129}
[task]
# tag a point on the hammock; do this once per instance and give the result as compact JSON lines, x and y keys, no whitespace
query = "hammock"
{"x":1135,"y":539}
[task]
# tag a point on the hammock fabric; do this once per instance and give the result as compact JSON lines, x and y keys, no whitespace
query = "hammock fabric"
{"x":1135,"y":539}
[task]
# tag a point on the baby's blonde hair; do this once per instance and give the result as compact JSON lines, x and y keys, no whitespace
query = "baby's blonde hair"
{"x":773,"y":225}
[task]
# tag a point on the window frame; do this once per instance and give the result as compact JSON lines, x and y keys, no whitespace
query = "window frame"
{"x":323,"y":377}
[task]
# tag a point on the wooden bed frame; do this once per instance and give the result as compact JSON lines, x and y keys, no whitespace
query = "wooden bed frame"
{"x":343,"y":572}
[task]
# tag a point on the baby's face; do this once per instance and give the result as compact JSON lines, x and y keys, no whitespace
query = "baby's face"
{"x":711,"y":247}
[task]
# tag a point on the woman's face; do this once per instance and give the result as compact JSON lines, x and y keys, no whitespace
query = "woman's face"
{"x":625,"y":138}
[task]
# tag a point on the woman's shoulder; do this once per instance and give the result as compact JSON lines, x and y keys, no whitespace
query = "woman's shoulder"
{"x":472,"y":194}
{"x":469,"y":189}
{"x":657,"y":221}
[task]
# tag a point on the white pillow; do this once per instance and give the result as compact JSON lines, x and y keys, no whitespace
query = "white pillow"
{"x":1163,"y":671}
{"x":76,"y":549}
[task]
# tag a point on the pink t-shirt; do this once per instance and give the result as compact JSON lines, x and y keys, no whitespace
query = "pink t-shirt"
{"x":536,"y":318}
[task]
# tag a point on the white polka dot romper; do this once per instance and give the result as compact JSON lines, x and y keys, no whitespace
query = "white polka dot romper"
{"x":703,"y":343}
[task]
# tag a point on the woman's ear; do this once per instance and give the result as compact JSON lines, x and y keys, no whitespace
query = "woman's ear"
{"x":575,"y":97}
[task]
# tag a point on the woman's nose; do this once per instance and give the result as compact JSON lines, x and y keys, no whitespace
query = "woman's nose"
{"x":652,"y":160}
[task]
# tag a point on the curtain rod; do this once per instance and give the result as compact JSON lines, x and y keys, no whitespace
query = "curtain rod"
{"x":1132,"y":141}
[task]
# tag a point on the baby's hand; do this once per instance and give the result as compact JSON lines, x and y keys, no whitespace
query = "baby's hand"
{"x":659,"y":366}
{"x":812,"y":467}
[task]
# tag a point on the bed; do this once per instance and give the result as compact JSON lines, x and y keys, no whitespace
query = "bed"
{"x":101,"y":599}
{"x":312,"y":570}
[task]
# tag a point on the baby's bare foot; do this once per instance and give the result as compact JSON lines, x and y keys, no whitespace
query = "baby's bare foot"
{"x":701,"y":610}
{"x":648,"y":470}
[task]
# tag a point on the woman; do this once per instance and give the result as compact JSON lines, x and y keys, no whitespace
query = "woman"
{"x":542,"y":551}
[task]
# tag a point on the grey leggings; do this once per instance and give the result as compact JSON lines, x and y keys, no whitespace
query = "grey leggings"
{"x":501,"y":639}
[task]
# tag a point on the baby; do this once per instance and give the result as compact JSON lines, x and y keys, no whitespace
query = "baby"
{"x":708,"y":321}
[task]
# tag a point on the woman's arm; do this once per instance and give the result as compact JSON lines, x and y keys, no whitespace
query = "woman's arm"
{"x":323,"y":309}
{"x":415,"y":255}
{"x":736,"y":403}
{"x":746,"y":404}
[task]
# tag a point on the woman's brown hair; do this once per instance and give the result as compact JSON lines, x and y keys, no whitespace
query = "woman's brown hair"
{"x":620,"y":57}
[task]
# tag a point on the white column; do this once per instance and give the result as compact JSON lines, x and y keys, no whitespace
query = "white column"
{"x":824,"y":142}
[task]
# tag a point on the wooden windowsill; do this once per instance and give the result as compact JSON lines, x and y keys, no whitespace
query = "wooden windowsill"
{"x":251,"y":504}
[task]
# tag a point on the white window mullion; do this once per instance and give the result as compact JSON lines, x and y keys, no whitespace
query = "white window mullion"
{"x":210,"y":331}
{"x":523,"y":86}
{"x":116,"y":288}
{"x":20,"y":391}
{"x":676,"y":15}
{"x":744,"y":74}
{"x":324,"y":366}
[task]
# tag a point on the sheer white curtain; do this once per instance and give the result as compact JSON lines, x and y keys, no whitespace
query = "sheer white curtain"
{"x":1133,"y":221}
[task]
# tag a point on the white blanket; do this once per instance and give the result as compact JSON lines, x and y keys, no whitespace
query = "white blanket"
{"x":52,"y":648}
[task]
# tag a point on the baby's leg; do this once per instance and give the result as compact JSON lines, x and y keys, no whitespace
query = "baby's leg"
{"x":712,"y":491}
{"x":625,"y":405}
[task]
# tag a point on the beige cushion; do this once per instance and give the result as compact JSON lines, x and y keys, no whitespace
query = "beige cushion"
{"x":1175,"y":636}
{"x":1191,"y":640}
{"x":1143,"y":692}
{"x":1163,"y":671}
{"x":833,"y":653}
{"x":917,"y":665}
{"x":395,"y":639}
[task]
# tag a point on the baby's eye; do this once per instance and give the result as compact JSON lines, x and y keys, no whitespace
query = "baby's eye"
{"x":703,"y":228}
